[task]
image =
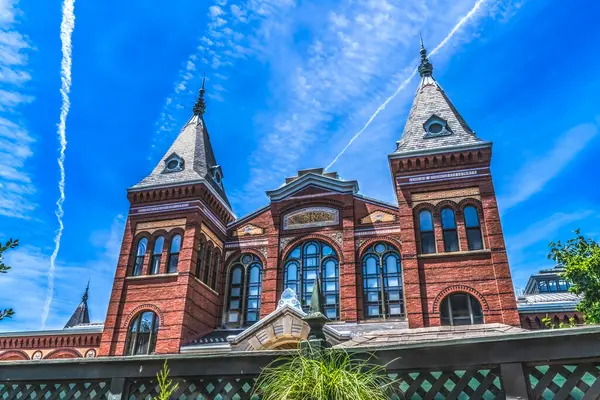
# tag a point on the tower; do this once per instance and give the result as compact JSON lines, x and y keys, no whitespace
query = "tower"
{"x":454,"y":257}
{"x":81,"y":315}
{"x":168,"y":276}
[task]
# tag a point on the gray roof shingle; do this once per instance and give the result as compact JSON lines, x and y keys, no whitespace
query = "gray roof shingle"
{"x":194,"y":147}
{"x":431,"y":100}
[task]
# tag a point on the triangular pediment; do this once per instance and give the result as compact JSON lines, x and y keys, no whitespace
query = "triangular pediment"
{"x":313,"y":184}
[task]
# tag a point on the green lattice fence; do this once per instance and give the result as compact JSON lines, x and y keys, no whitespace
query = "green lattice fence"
{"x":197,"y":389}
{"x":565,"y":381}
{"x":94,"y":390}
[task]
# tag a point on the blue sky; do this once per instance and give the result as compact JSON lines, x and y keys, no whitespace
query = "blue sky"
{"x":289,"y":83}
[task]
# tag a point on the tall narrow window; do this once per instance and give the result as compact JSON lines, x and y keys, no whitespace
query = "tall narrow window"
{"x":156,"y":254}
{"x":449,"y":230}
{"x":206,"y":274}
{"x":139,"y":257}
{"x":382,"y":282}
{"x":199,"y":259}
{"x":460,"y":309}
{"x":426,"y":229}
{"x":302,"y":266}
{"x":245,"y":283}
{"x":253,"y":296}
{"x":174,"y":253}
{"x":473,"y":228}
{"x":236,"y":285}
{"x":141,"y":336}
{"x":215,"y":271}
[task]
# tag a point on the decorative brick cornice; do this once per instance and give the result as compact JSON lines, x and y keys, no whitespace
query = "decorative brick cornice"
{"x":459,"y":289}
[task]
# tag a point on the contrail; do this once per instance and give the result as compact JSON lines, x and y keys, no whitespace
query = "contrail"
{"x":66,"y":32}
{"x":459,"y":25}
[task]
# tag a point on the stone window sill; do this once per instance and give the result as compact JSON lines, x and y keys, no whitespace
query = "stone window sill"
{"x":456,"y":254}
{"x":154,"y":276}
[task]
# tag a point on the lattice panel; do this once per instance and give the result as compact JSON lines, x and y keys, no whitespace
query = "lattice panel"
{"x":47,"y":390}
{"x":561,"y":382}
{"x":450,"y":385}
{"x":197,"y":389}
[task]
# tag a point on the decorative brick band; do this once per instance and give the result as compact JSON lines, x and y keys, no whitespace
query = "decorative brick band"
{"x":248,"y":243}
{"x":376,"y":231}
{"x":456,"y":289}
{"x":187,"y":205}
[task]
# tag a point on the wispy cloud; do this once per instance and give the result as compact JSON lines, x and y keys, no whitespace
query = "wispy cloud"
{"x":29,"y":275}
{"x":66,"y":31}
{"x":535,"y":174}
{"x":16,"y":188}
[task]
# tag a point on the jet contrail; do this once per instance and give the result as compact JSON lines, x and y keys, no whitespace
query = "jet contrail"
{"x":66,"y":31}
{"x":459,"y":25}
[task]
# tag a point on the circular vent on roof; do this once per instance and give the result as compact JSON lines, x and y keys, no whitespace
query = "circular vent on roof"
{"x":435,"y":128}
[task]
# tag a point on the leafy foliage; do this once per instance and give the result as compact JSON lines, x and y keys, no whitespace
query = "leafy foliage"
{"x":329,"y":374}
{"x":581,"y":259}
{"x":550,"y":323}
{"x":165,"y":385}
{"x":11,"y":244}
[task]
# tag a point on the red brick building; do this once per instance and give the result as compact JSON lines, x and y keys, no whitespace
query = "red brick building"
{"x":193,"y":276}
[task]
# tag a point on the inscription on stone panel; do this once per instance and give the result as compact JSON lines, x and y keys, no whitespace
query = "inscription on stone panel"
{"x":378,"y":216}
{"x":311,"y":217}
{"x":211,"y":236}
{"x":166,"y":224}
{"x":248,"y":230}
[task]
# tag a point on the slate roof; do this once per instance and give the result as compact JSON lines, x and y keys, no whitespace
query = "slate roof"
{"x":431,"y":101}
{"x":194,"y":147}
{"x":549,"y":297}
{"x":81,"y":315}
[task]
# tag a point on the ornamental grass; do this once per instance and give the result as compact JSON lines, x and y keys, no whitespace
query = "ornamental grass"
{"x":329,"y":374}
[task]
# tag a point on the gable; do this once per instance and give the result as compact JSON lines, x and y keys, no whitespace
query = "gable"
{"x":378,"y":217}
{"x":314,"y":185}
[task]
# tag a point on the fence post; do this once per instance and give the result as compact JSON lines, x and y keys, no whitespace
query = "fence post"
{"x":117,"y":389}
{"x":514,"y":382}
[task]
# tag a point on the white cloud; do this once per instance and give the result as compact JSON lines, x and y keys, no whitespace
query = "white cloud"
{"x":535,"y":174}
{"x":16,"y":189}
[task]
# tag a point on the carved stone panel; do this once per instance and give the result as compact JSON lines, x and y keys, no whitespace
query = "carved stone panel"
{"x":248,"y":230}
{"x":378,"y":216}
{"x":311,"y":217}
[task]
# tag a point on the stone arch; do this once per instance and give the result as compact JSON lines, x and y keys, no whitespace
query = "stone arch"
{"x":313,"y":236}
{"x":423,"y":206}
{"x":63,"y":353}
{"x":14,"y":355}
{"x":459,"y":289}
{"x":369,"y":242}
{"x":144,"y":307}
{"x":444,"y":204}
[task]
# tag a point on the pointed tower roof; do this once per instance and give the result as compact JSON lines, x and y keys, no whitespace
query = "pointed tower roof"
{"x":434,"y":124}
{"x":190,"y":159}
{"x":81,"y":315}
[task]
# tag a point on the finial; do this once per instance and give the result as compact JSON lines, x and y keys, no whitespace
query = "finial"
{"x":425,"y":68}
{"x":85,"y":294}
{"x":315,"y":318}
{"x":200,"y":106}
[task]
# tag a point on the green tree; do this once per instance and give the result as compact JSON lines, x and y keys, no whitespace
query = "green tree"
{"x":165,"y":385}
{"x":11,"y":244}
{"x":328,"y":374}
{"x":549,"y":322}
{"x":580,"y":257}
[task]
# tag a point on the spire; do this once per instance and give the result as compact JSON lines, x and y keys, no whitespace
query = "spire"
{"x":315,"y":318}
{"x":425,"y":68}
{"x":190,"y":159}
{"x":200,"y":106}
{"x":434,"y":124}
{"x":81,"y":314}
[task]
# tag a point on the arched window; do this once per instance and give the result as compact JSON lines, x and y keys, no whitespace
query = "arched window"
{"x":245,"y":283}
{"x":139,"y":257}
{"x":449,"y":230}
{"x":174,"y":254}
{"x":155,"y":261}
{"x":473,"y":228}
{"x":199,"y":259}
{"x":460,"y":309}
{"x":426,"y":229}
{"x":304,"y":263}
{"x":206,"y":274}
{"x":141,"y":336}
{"x":215,"y":271}
{"x":382,"y":282}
